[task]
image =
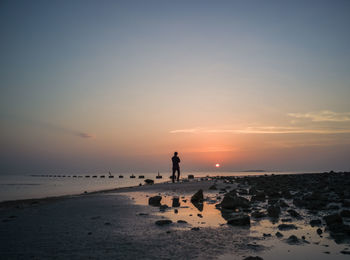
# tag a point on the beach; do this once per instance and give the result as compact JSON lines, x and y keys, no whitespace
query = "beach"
{"x":272,"y":217}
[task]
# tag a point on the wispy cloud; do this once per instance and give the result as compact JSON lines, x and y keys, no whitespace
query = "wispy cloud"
{"x":323,"y":116}
{"x":263,"y":130}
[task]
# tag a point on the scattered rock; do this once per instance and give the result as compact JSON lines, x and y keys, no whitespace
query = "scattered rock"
{"x":345,"y":252}
{"x":284,"y":227}
{"x":345,"y":213}
{"x":279,"y":234}
{"x":197,"y":197}
{"x":149,"y":181}
{"x":273,"y":211}
{"x":293,"y":240}
{"x":143,"y":214}
{"x":176,"y":211}
{"x":258,"y":214}
{"x":195,"y":228}
{"x":267,"y":235}
{"x":163,"y":207}
{"x":253,"y":258}
{"x":163,"y":222}
{"x":333,"y":219}
{"x":213,"y":187}
{"x":107,"y":224}
{"x":199,"y":215}
{"x":319,"y":231}
{"x":239,"y":220}
{"x":294,"y":214}
{"x":182,"y":221}
{"x":154,"y":201}
{"x":315,"y":222}
{"x":232,"y":201}
{"x":176,"y":202}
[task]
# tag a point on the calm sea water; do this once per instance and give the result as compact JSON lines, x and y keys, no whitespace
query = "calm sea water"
{"x":17,"y":187}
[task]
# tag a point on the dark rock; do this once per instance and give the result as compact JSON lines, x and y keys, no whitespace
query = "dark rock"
{"x":345,"y":213}
{"x":258,"y":214}
{"x":149,"y":181}
{"x":253,"y":258}
{"x":163,"y":207}
{"x":163,"y":222}
{"x":200,"y":215}
{"x":182,"y":221}
{"x":197,"y":197}
{"x":190,"y":176}
{"x":267,"y":235}
{"x":154,"y":201}
{"x":283,"y":204}
{"x":259,"y":196}
{"x":346,"y":203}
{"x":195,"y":228}
{"x":176,"y":202}
{"x":294,"y":214}
{"x":232,"y":201}
{"x":213,"y":187}
{"x":176,"y":211}
{"x":279,"y":234}
{"x":286,"y":220}
{"x":284,"y":227}
{"x":333,"y":219}
{"x":293,"y":240}
{"x":315,"y":222}
{"x":345,"y":252}
{"x":273,"y":211}
{"x":239,"y":220}
{"x":319,"y":231}
{"x":333,"y":207}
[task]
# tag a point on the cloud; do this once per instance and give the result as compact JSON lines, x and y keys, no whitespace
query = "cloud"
{"x":323,"y":116}
{"x":264,"y":130}
{"x":84,"y":135}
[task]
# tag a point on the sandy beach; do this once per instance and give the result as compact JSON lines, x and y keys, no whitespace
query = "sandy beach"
{"x":265,"y":216}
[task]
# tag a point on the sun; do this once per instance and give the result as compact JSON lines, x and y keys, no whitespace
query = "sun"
{"x":217,"y":165}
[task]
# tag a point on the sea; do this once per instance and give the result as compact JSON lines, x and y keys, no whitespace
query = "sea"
{"x":20,"y":187}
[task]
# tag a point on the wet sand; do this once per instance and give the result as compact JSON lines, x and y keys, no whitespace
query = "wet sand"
{"x":119,"y":224}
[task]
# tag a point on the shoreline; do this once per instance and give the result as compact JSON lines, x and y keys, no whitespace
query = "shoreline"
{"x":32,"y":201}
{"x":272,"y":220}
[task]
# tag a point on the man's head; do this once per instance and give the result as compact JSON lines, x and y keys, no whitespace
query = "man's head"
{"x":175,"y":153}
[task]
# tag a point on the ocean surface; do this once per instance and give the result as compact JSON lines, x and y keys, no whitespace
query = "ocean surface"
{"x":18,"y":187}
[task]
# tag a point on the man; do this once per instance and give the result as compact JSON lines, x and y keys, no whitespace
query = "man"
{"x":176,"y":166}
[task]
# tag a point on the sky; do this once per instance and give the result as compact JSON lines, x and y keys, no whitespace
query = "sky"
{"x":96,"y":86}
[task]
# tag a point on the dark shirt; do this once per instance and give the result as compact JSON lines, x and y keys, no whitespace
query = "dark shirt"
{"x":176,"y":161}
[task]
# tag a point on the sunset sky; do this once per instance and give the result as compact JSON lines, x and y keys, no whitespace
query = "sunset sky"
{"x":89,"y":86}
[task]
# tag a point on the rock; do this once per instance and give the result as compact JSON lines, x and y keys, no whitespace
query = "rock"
{"x":232,"y":201}
{"x":163,"y":222}
{"x":253,"y":258}
{"x":333,"y":219}
{"x":345,"y":213}
{"x":239,"y":220}
{"x":283,"y":204}
{"x":259,"y":196}
{"x":293,"y":240}
{"x":154,"y":201}
{"x":319,"y":231}
{"x":176,"y":211}
{"x":176,"y":202}
{"x":163,"y":207}
{"x":279,"y":234}
{"x":345,"y":252}
{"x":346,"y":203}
{"x":294,"y":214}
{"x":149,"y":181}
{"x":143,"y":214}
{"x":197,"y":197}
{"x":267,"y":235}
{"x":213,"y":187}
{"x":258,"y":214}
{"x":284,"y":227}
{"x":182,"y":221}
{"x":273,"y":211}
{"x":195,"y":228}
{"x":190,"y":176}
{"x":315,"y":222}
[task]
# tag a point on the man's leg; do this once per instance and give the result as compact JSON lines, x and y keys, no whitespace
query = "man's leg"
{"x":173,"y":177}
{"x":178,"y":174}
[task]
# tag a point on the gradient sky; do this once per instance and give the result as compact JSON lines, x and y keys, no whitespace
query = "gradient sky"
{"x":90,"y":86}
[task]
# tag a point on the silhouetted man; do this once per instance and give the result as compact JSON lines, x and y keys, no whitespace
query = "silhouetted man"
{"x":176,"y":166}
